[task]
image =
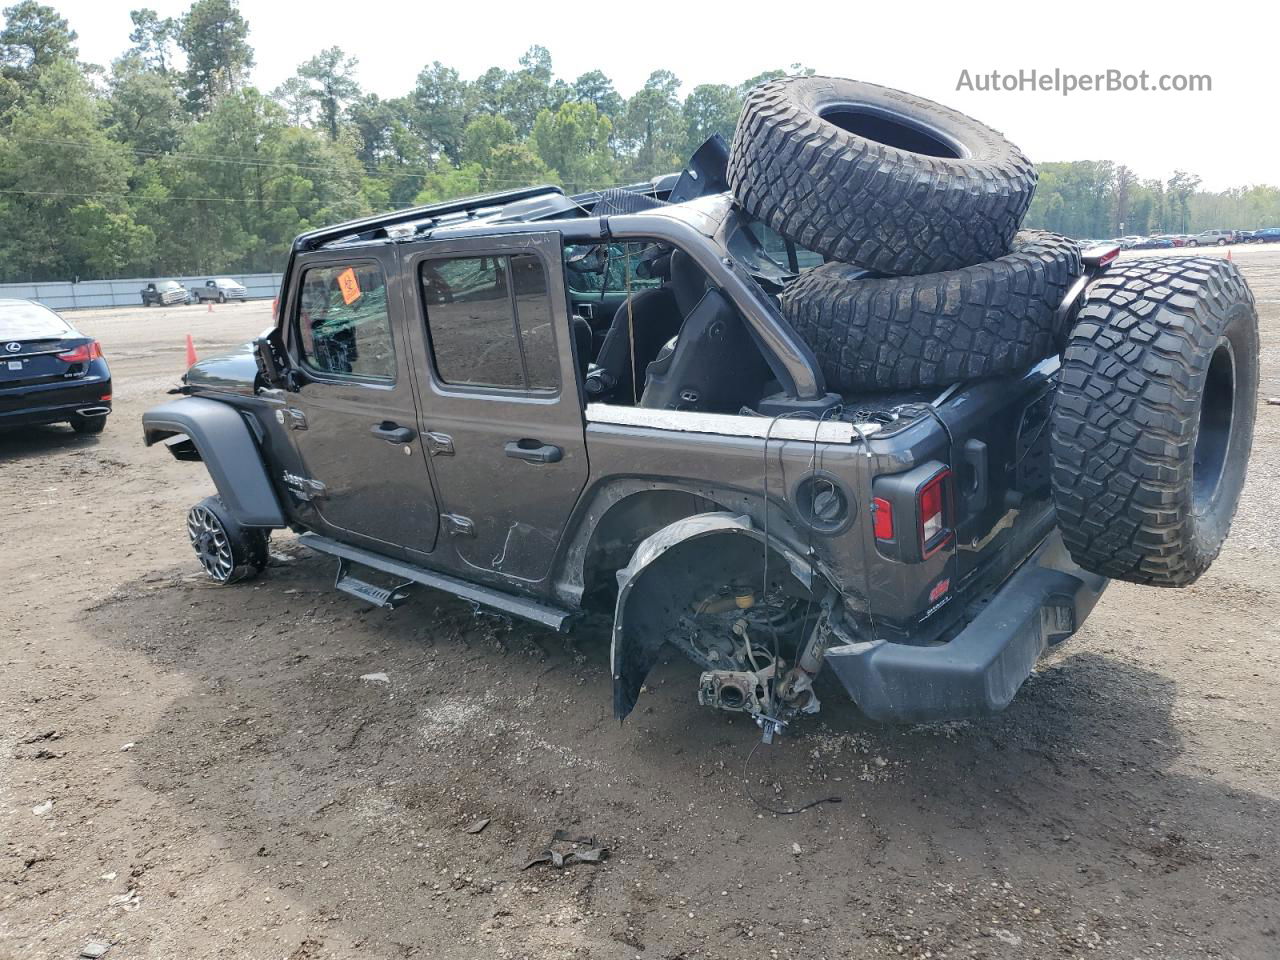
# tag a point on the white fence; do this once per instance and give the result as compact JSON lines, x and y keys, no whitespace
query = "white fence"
{"x":65,"y":295}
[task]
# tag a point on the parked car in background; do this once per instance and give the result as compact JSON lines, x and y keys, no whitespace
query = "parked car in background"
{"x":221,"y":289}
{"x":1154,"y":243}
{"x":1210,"y":238}
{"x":50,"y":372}
{"x":1266,"y":235}
{"x":1244,"y":236}
{"x":165,"y":293}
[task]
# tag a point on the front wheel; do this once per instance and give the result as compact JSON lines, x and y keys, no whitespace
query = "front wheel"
{"x":1193,"y":243}
{"x":228,"y":551}
{"x":222,"y":298}
{"x":1222,"y":243}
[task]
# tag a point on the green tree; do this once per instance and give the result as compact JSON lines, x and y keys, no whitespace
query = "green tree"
{"x":65,"y":184}
{"x":294,"y":95}
{"x":528,"y":91}
{"x":153,"y":38}
{"x":652,"y":129}
{"x":215,"y":38}
{"x":596,"y":88}
{"x":439,"y":102}
{"x":710,"y":108}
{"x":143,"y":109}
{"x":449,"y":182}
{"x":485,"y":134}
{"x":574,"y":141}
{"x":332,"y":85}
{"x":1179,"y":189}
{"x":34,"y":36}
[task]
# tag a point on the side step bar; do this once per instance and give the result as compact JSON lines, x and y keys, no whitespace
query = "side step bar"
{"x":542,"y":613}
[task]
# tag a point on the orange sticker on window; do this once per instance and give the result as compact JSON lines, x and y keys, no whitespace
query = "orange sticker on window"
{"x":349,"y":286}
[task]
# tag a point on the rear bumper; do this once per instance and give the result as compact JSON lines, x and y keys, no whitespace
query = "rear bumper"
{"x":977,"y":673}
{"x":55,"y":402}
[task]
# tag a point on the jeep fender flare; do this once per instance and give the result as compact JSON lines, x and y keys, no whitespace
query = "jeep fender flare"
{"x":638,"y":634}
{"x":229,"y":450}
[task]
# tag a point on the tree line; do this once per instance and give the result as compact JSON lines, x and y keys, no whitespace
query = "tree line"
{"x":1102,"y":199}
{"x":169,"y":161}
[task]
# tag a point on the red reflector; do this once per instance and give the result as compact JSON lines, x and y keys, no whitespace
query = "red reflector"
{"x":882,"y":518}
{"x":940,"y":588}
{"x":105,"y":398}
{"x":83,"y":353}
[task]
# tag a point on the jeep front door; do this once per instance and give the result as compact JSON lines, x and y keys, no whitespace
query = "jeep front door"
{"x":352,"y":415}
{"x":499,"y":403}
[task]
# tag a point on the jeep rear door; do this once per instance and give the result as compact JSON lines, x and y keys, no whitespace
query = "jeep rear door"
{"x":499,"y":403}
{"x":351,"y":414}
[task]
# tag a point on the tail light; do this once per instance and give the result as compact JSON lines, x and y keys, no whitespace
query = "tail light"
{"x":933,"y":506}
{"x":919,"y":501}
{"x":882,"y":518}
{"x":84,"y":353}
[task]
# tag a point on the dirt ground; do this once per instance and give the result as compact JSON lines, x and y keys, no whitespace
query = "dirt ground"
{"x":191,"y":771}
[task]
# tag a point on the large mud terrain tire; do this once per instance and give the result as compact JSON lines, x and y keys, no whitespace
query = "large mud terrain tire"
{"x":1153,"y":418}
{"x":869,"y":175}
{"x":900,"y":332}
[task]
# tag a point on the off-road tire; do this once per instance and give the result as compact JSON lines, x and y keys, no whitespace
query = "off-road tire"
{"x":902,"y":186}
{"x":241,"y":552}
{"x":899,"y":332}
{"x":1153,"y":418}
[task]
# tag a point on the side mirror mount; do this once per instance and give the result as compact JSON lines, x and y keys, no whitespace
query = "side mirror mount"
{"x":271,"y":368}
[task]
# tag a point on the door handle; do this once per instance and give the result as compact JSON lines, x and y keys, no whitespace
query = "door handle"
{"x":534,"y":451}
{"x":392,"y":432}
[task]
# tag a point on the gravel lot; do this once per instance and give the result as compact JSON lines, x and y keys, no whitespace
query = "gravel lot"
{"x":188,"y":771}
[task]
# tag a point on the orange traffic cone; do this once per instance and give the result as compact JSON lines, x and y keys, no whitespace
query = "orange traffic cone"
{"x":210,"y":302}
{"x":1228,"y":253}
{"x":192,"y":359}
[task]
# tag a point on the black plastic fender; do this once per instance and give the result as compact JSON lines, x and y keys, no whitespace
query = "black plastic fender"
{"x":650,"y":594}
{"x":229,"y":451}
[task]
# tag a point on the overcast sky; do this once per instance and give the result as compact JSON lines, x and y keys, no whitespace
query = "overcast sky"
{"x":1229,"y":136}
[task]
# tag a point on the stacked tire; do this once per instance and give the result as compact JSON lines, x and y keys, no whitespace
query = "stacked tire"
{"x":929,"y":281}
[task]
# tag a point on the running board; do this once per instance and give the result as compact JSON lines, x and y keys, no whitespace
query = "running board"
{"x":544,"y":614}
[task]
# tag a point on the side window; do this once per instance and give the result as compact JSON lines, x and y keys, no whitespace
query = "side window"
{"x":778,"y":250}
{"x":490,"y":322}
{"x":600,"y":270}
{"x":343,"y":326}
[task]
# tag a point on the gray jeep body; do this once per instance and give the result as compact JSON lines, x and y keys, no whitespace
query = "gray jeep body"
{"x":540,"y":502}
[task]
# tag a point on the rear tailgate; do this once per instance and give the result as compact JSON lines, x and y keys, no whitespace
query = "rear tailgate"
{"x":999,"y":433}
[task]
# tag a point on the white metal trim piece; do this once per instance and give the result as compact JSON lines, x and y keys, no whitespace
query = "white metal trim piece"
{"x":732,"y":425}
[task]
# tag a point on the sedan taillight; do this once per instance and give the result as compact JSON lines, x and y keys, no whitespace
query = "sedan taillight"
{"x":84,"y":353}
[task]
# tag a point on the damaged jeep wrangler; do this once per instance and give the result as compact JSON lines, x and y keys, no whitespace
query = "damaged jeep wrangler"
{"x":543,"y":403}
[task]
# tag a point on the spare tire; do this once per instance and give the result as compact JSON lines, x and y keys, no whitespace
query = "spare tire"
{"x":874,"y":176}
{"x":898,"y":332}
{"x":1153,"y":418}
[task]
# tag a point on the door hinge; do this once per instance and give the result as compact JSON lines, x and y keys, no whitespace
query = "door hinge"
{"x":304,"y":488}
{"x":438,"y":444}
{"x":459,"y":526}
